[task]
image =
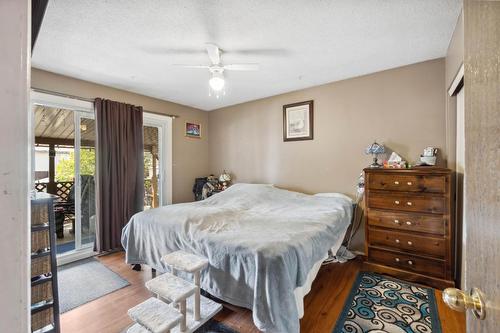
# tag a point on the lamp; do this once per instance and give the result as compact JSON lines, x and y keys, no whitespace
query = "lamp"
{"x":375,"y":149}
{"x":225,"y":179}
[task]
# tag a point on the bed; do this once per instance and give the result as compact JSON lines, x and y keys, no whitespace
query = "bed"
{"x":265,"y":245}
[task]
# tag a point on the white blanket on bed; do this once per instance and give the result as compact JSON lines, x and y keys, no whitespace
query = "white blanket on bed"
{"x":261,"y":243}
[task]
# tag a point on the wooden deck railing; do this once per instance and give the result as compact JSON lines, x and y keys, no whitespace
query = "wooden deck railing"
{"x":61,"y":189}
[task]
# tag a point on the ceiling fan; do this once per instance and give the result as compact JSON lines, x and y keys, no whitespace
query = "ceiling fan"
{"x":216,"y":69}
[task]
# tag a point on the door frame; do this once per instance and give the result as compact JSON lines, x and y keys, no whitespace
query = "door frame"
{"x":164,"y":124}
{"x":455,"y":88}
{"x":79,"y":107}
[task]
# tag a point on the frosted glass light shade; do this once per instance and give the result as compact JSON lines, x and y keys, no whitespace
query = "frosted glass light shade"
{"x":216,"y":82}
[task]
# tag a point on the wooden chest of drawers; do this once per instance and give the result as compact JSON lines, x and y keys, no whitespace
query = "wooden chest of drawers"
{"x":410,"y":227}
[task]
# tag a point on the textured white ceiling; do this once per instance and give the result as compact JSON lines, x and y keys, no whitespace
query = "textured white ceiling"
{"x":132,"y":44}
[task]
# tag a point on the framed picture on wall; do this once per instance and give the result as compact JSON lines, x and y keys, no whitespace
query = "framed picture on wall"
{"x":193,"y":130}
{"x":298,"y":121}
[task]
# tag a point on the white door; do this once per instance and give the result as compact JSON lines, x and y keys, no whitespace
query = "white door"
{"x":157,"y":131}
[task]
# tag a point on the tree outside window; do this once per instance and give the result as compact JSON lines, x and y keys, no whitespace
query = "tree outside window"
{"x":65,"y":169}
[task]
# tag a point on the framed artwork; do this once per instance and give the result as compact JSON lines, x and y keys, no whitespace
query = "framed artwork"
{"x":298,"y":121}
{"x":193,"y":130}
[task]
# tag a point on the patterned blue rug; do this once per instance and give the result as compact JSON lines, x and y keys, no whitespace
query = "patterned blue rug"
{"x":381,"y":304}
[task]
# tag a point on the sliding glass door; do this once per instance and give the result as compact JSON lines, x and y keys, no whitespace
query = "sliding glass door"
{"x":64,"y":160}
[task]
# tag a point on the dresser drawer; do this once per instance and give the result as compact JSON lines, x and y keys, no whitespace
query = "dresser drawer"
{"x":407,"y":242}
{"x":405,"y":183}
{"x":408,"y":262}
{"x":406,"y":202}
{"x":407,"y":221}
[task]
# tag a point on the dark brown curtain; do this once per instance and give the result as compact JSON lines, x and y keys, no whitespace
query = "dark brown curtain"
{"x":120,"y":174}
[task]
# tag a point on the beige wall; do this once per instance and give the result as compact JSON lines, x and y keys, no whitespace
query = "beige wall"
{"x":454,"y":59}
{"x":404,"y":108}
{"x":190,"y":156}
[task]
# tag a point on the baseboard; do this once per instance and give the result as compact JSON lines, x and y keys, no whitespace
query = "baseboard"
{"x":66,"y":258}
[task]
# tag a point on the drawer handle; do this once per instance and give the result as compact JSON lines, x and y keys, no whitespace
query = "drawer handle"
{"x":396,"y":221}
{"x":409,"y":203}
{"x":396,"y":182}
{"x":408,"y":222}
{"x":410,"y":183}
{"x":396,"y":202}
{"x":410,"y":243}
{"x":410,"y":262}
{"x":396,"y":259}
{"x":397,"y":241}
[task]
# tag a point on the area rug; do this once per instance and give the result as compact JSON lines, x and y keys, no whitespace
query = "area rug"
{"x":85,"y":280}
{"x":381,"y":304}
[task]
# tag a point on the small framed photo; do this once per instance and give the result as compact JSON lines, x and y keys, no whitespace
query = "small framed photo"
{"x":193,"y":130}
{"x":298,"y":121}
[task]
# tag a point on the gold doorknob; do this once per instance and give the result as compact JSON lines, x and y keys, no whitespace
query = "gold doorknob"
{"x":461,"y":301}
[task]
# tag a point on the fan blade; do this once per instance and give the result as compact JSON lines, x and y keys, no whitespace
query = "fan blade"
{"x":242,"y":67}
{"x":161,"y":50}
{"x":213,"y":53}
{"x":260,"y":52}
{"x":191,"y":66}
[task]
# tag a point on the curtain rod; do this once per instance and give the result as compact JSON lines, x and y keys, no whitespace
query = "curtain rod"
{"x":44,"y":91}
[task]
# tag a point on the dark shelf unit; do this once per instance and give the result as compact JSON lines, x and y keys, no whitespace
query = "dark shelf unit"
{"x":43,"y":222}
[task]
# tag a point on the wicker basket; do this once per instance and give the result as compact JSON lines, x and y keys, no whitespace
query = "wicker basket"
{"x":41,"y":319}
{"x":40,"y":266}
{"x":41,"y":292}
{"x":39,"y":214}
{"x":40,"y":241}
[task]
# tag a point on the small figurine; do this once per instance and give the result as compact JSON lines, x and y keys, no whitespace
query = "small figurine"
{"x":428,"y":157}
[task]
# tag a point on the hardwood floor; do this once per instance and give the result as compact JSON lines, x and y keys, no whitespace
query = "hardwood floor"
{"x":323,"y":304}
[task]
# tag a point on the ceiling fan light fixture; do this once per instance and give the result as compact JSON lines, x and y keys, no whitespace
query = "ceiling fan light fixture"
{"x":217,"y":82}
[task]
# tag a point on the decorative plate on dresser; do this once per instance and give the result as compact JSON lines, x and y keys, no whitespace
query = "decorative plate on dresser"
{"x":410,"y":226}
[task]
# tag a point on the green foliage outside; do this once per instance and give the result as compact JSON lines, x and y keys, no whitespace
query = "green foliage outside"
{"x":65,"y":170}
{"x":148,"y":164}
